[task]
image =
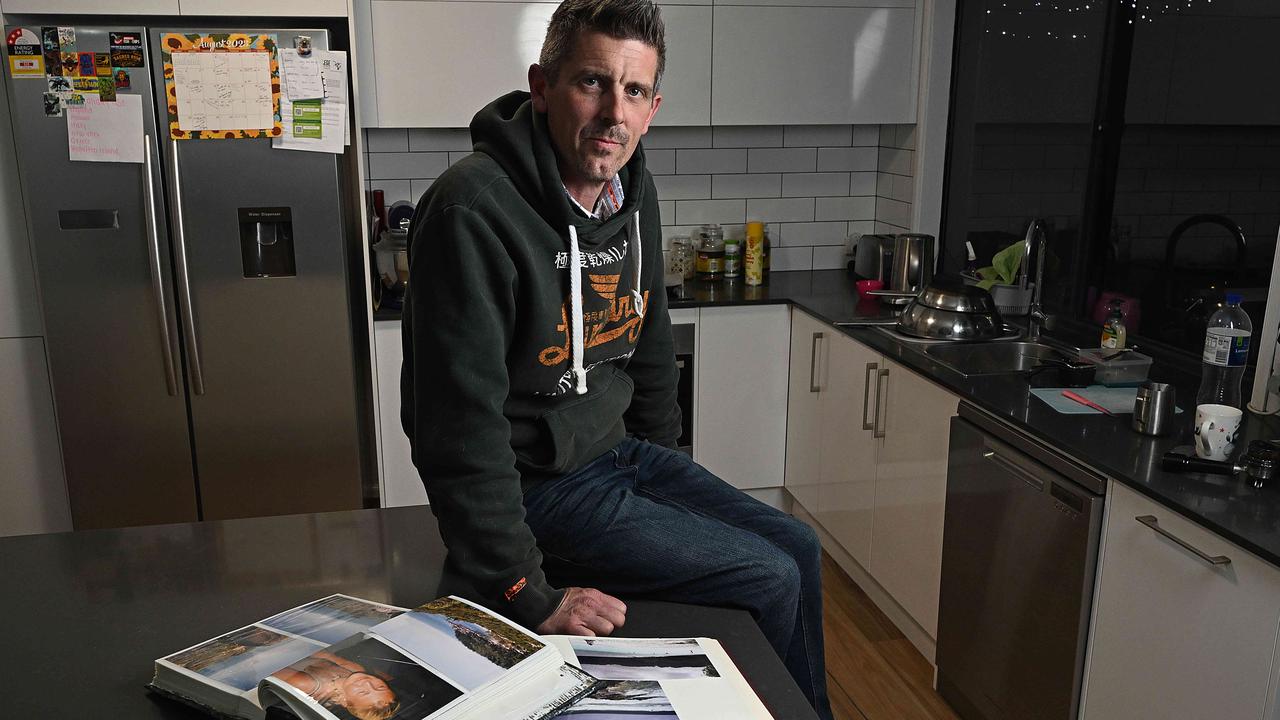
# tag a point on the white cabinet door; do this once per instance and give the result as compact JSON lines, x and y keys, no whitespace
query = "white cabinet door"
{"x":911,"y":491}
{"x":812,"y":65}
{"x":437,"y":63}
{"x":272,"y":8}
{"x":809,"y":342}
{"x":846,"y":480}
{"x":742,"y":393}
{"x":31,"y":481}
{"x":686,"y":83}
{"x":401,"y":484}
{"x":123,"y":7}
{"x":1174,"y":636}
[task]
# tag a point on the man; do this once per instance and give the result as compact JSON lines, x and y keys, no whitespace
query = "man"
{"x":539,"y":377}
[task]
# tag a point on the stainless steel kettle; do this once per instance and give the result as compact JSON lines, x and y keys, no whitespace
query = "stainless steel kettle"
{"x":913,"y":258}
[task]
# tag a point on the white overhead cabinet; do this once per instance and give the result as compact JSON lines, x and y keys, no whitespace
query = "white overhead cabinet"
{"x":1175,"y":635}
{"x":867,"y":458}
{"x":123,"y":7}
{"x":813,"y":65}
{"x":270,"y":8}
{"x":686,"y":84}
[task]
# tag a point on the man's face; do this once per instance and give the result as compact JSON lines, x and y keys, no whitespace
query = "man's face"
{"x":599,"y":107}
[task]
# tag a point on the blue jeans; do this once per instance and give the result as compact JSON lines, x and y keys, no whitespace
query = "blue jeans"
{"x":645,"y":521}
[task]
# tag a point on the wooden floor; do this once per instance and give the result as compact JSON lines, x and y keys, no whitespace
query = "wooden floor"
{"x":873,"y":671}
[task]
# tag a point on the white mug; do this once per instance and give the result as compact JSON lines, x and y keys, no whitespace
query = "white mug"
{"x":1216,"y":430}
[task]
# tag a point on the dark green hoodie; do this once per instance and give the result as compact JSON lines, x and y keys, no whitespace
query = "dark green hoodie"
{"x":491,"y":400}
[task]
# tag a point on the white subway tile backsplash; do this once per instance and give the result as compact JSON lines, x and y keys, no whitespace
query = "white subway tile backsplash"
{"x":698,"y":212}
{"x":457,"y":155}
{"x":884,"y":228}
{"x":815,"y":185}
{"x":780,"y":209}
{"x":791,"y":258}
{"x":906,"y":137}
{"x":439,"y":139}
{"x":862,"y":183}
{"x":660,"y":162}
{"x":894,"y":212}
{"x":746,"y":186}
{"x":847,"y":208}
{"x":394,"y":190}
{"x":831,"y":257}
{"x":815,"y":135}
{"x":862,"y":227}
{"x":678,"y":137}
{"x":667,"y":210}
{"x":813,"y":233}
{"x":864,"y":135}
{"x":386,"y":140}
{"x":418,"y":187}
{"x":747,"y":136}
{"x":888,"y":136}
{"x":406,"y":166}
{"x":858,"y":159}
{"x":711,"y":161}
{"x":683,"y":187}
{"x":898,"y":162}
{"x":782,"y":160}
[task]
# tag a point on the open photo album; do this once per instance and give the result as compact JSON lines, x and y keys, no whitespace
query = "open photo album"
{"x":342,"y":658}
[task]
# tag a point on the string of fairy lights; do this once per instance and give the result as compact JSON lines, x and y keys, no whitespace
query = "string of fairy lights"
{"x":1144,"y":11}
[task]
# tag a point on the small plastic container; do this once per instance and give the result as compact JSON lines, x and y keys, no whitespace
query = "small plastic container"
{"x":1128,"y":368}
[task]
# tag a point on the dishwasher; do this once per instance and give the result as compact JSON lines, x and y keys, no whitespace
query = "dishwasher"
{"x":1019,"y":552}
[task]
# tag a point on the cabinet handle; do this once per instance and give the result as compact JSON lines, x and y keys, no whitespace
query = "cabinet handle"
{"x":866,"y":397}
{"x":881,"y":429}
{"x":813,"y":362}
{"x":1151,"y":522}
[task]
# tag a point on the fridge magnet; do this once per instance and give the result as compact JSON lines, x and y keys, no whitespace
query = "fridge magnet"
{"x":126,"y":50}
{"x":52,"y":50}
{"x":107,"y":89}
{"x":83,"y":85}
{"x":29,"y":66}
{"x":67,"y":39}
{"x":59,"y":85}
{"x":122,"y":78}
{"x":102,"y":64}
{"x":70,"y":64}
{"x":87,"y":65}
{"x":75,"y":100}
{"x":52,"y":105}
{"x":222,"y":85}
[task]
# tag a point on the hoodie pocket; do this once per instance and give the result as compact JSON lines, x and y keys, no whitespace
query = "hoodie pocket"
{"x":576,"y":428}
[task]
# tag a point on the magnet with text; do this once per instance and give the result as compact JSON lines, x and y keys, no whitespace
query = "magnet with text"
{"x":26,"y":56}
{"x":107,"y":89}
{"x":89,"y":84}
{"x":88,"y":68}
{"x":76,"y":100}
{"x":31,"y":66}
{"x":102,"y":64}
{"x":52,"y":105}
{"x":126,"y":50}
{"x":122,"y":78}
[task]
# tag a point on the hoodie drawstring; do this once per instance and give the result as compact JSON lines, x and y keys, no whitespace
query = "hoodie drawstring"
{"x":577,"y":335}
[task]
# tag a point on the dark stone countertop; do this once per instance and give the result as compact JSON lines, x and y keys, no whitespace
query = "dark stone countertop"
{"x":1247,"y":516}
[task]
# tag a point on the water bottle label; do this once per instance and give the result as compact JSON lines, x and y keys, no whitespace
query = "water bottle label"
{"x":1226,"y":347}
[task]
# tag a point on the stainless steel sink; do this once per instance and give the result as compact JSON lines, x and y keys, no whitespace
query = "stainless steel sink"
{"x":996,"y":358}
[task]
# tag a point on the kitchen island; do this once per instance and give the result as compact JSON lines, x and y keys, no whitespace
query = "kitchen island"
{"x":87,"y":613}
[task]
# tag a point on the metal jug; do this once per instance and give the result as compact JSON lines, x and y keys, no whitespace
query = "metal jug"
{"x":913,"y":256}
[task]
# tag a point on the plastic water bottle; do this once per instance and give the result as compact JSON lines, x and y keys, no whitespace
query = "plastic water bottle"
{"x":1226,"y":349}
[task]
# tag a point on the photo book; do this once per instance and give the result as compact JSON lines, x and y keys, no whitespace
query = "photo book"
{"x":342,"y":658}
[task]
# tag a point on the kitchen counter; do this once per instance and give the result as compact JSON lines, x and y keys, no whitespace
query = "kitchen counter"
{"x":1239,"y":512}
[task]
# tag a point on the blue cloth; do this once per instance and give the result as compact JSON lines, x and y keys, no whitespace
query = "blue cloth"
{"x":645,"y":521}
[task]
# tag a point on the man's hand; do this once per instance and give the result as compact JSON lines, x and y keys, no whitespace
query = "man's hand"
{"x":585,"y":611}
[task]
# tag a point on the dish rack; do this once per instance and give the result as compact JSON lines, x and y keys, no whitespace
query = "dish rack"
{"x":1010,"y":299}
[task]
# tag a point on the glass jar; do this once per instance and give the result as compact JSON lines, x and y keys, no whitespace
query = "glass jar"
{"x":682,"y":257}
{"x":711,"y":252}
{"x":732,"y":258}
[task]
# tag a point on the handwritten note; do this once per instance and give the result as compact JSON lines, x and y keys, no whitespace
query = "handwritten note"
{"x":106,"y":132}
{"x":301,"y":75}
{"x":335,"y":126}
{"x":223,"y":90}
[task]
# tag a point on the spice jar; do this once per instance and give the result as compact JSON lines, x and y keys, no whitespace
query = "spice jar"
{"x":682,"y":257}
{"x":711,"y":252}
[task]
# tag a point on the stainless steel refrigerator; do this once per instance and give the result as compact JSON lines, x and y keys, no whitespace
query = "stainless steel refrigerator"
{"x":193,"y":379}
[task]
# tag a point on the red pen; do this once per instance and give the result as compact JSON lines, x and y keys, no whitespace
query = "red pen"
{"x":1085,"y":401}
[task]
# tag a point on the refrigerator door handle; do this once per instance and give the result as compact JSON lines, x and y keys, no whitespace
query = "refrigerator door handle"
{"x":184,"y":277}
{"x":153,"y":234}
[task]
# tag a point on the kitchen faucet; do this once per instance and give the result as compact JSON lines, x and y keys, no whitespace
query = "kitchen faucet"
{"x":1034,"y":241}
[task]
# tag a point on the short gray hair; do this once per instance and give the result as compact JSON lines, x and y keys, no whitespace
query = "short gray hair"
{"x":619,"y":19}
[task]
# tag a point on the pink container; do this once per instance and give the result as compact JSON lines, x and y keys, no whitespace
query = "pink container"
{"x":866,"y":286}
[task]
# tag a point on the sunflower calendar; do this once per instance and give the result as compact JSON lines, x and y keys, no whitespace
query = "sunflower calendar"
{"x":221,"y":85}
